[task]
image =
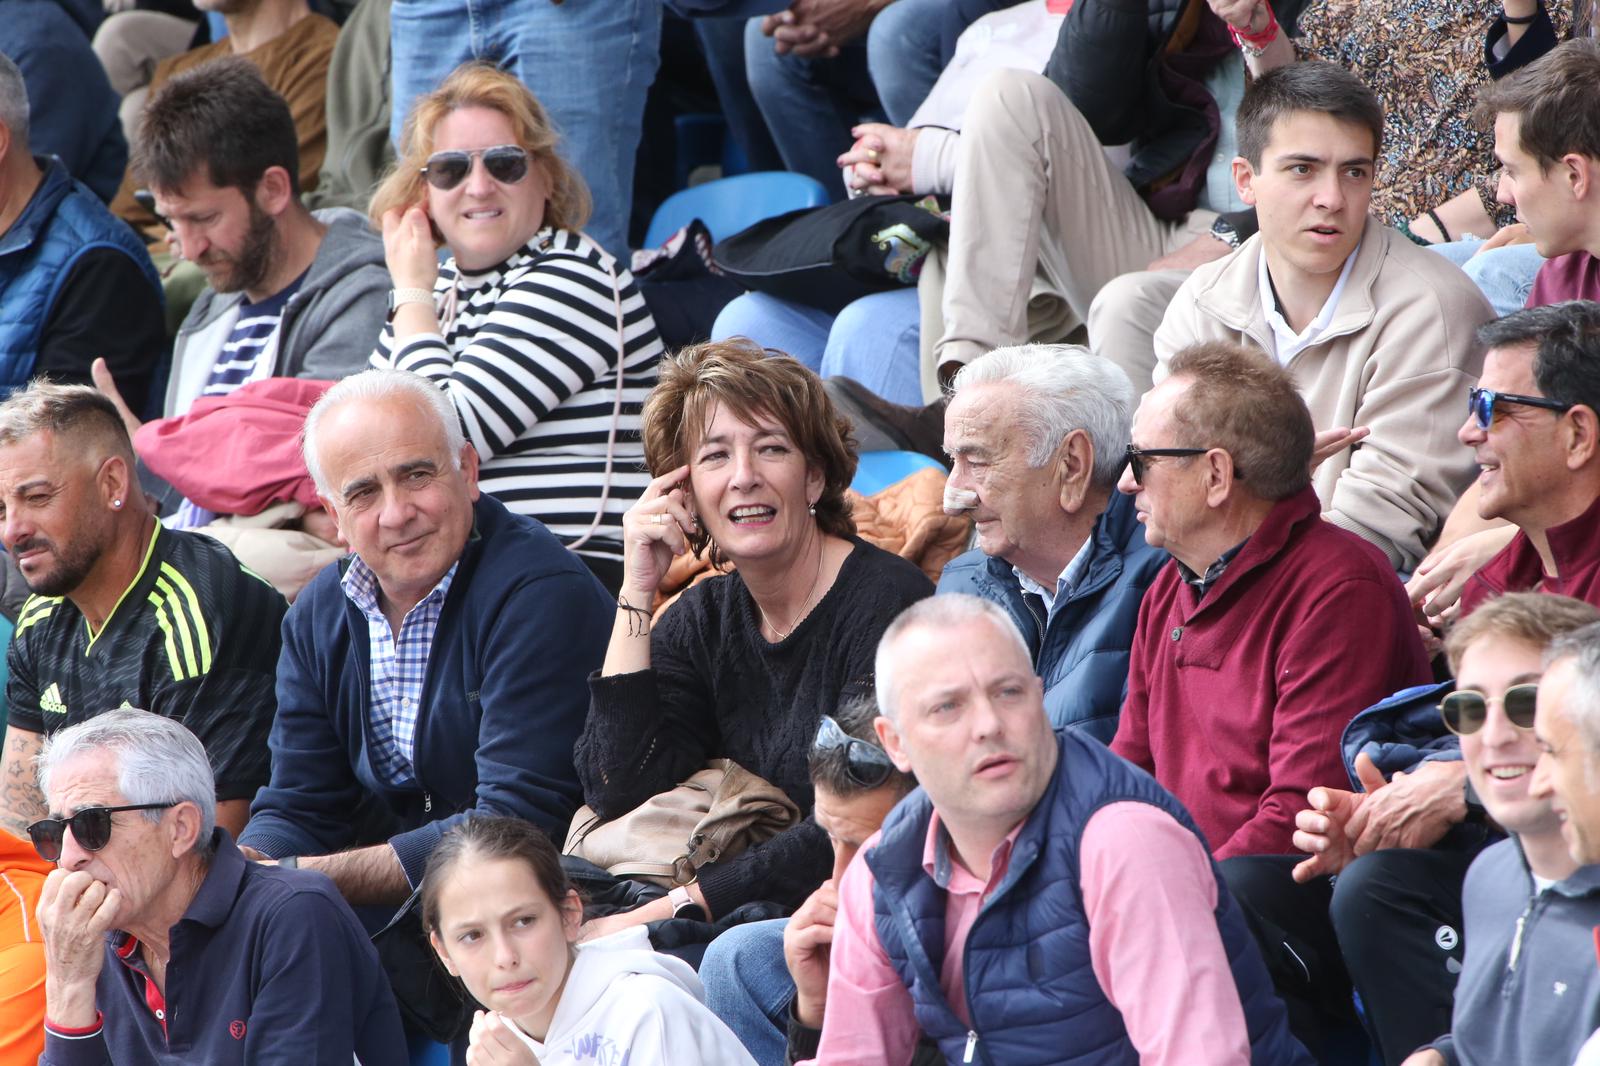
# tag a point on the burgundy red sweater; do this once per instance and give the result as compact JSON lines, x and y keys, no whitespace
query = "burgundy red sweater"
{"x":1574,"y":545}
{"x":1236,"y":701}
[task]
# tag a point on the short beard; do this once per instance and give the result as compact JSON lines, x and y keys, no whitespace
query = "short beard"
{"x":72,"y":567}
{"x":255,"y":258}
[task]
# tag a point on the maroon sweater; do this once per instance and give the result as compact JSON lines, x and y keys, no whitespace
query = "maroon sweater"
{"x":1236,"y":701}
{"x":1574,"y":545}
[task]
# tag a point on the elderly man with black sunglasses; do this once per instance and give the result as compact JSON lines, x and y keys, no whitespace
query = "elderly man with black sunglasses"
{"x":163,"y":943}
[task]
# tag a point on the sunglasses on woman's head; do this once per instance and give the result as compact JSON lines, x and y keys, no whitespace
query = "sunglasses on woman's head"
{"x":91,"y":828}
{"x":1464,"y":711}
{"x":867,"y":764}
{"x":506,"y":163}
{"x":1482,"y":404}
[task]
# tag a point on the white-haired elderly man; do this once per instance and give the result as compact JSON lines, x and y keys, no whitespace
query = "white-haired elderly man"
{"x":1037,"y":899}
{"x":1036,"y":435}
{"x":163,"y":944}
{"x":440,"y":670}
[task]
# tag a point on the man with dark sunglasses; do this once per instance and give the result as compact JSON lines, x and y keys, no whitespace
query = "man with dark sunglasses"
{"x":764,"y":978}
{"x":1244,"y":663}
{"x":1529,"y":991}
{"x":161,"y":940}
{"x":1533,"y":425}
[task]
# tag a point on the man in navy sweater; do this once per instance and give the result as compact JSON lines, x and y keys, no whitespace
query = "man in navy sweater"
{"x":440,"y":670}
{"x":209,"y":958}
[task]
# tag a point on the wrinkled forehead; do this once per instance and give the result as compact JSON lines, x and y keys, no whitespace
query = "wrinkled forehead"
{"x":364,"y":439}
{"x":86,"y":779}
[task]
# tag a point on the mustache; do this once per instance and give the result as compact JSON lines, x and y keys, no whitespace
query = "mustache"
{"x":31,"y":544}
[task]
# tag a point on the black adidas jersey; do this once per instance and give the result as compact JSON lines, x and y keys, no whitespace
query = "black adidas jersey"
{"x":195,"y":637}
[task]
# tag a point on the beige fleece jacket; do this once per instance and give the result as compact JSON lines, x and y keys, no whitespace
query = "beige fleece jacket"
{"x":1398,"y":357}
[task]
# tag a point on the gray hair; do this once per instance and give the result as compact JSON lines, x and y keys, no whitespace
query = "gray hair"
{"x":13,"y":100}
{"x":372,"y":386}
{"x":44,"y":407}
{"x":944,"y":611}
{"x":158,"y":761}
{"x":1582,"y":646}
{"x":1063,"y":387}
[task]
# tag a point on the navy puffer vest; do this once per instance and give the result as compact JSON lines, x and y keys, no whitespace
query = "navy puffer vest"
{"x":1030,"y":987}
{"x":61,"y":222}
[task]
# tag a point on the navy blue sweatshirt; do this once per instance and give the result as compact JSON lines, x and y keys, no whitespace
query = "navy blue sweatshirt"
{"x":268,"y":967}
{"x":503,"y":702}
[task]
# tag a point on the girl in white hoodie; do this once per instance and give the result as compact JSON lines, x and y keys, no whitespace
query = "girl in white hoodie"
{"x":504,"y":918}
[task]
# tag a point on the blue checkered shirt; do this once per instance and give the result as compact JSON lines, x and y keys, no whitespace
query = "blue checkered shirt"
{"x":397,"y":669}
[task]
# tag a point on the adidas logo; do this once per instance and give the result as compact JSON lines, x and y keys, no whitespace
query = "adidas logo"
{"x":50,"y":702}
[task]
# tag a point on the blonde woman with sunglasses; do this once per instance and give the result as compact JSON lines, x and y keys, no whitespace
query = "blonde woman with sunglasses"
{"x":539,"y":336}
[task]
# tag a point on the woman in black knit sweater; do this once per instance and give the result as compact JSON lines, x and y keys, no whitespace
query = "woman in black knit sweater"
{"x":752,"y":464}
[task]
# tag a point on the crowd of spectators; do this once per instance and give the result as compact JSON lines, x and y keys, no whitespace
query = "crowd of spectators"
{"x":411,"y":642}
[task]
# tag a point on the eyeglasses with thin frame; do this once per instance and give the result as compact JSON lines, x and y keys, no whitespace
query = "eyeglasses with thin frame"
{"x":91,"y":828}
{"x":506,"y":163}
{"x":1465,"y":711}
{"x":1481,"y":404}
{"x":867,"y":764}
{"x":1137,"y":458}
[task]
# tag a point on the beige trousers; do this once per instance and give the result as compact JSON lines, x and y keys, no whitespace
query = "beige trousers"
{"x":1040,"y":220}
{"x":1125,"y":316}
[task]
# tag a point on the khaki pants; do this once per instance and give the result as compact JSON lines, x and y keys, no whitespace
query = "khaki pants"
{"x":1040,"y":220}
{"x":129,"y":44}
{"x":1125,"y":316}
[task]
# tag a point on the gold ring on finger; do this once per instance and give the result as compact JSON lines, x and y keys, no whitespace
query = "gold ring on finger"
{"x":872,"y":155}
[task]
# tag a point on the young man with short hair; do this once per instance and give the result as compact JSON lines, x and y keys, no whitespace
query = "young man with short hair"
{"x":1529,"y":991}
{"x":1375,"y":331}
{"x":1547,"y":138}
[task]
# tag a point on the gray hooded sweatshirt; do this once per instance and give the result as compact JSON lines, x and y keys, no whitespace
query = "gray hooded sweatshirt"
{"x":328,"y":328}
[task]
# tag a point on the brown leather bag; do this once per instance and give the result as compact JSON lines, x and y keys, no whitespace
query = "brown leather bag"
{"x":716,"y":814}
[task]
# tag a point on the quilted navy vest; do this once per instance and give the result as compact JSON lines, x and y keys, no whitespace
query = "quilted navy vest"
{"x":63,"y":221}
{"x":1030,"y":987}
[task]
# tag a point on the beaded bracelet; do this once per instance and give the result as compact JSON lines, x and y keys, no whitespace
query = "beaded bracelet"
{"x":1404,"y":228}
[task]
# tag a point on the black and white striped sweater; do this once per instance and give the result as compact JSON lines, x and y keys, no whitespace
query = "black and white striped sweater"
{"x":529,"y":355}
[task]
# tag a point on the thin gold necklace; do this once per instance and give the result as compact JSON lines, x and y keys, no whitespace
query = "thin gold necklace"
{"x":801,"y":615}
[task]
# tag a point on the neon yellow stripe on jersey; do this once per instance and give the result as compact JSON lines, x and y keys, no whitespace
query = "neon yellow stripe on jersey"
{"x":257,"y":576}
{"x":172,"y":644}
{"x":179,"y":620}
{"x":148,"y":552}
{"x":36,"y":609}
{"x":197,"y":617}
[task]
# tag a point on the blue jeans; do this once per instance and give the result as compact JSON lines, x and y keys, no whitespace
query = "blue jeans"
{"x":904,"y":55}
{"x":1504,"y":274}
{"x":876,"y":339}
{"x":810,"y":105}
{"x":588,"y":61}
{"x":748,"y":986}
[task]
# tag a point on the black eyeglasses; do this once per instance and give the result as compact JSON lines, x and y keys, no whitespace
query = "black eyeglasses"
{"x":867,"y":764}
{"x":1464,"y":711}
{"x":1481,"y":404}
{"x":506,"y":163}
{"x":91,"y":828}
{"x":1137,"y":458}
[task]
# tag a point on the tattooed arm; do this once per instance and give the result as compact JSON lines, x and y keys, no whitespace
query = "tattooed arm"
{"x":20,"y":800}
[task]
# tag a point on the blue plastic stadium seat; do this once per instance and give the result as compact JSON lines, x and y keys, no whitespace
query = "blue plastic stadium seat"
{"x":729,"y":205}
{"x":876,"y":471}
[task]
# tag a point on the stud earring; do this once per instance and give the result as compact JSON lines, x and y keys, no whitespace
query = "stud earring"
{"x":116,"y":503}
{"x":812,"y":510}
